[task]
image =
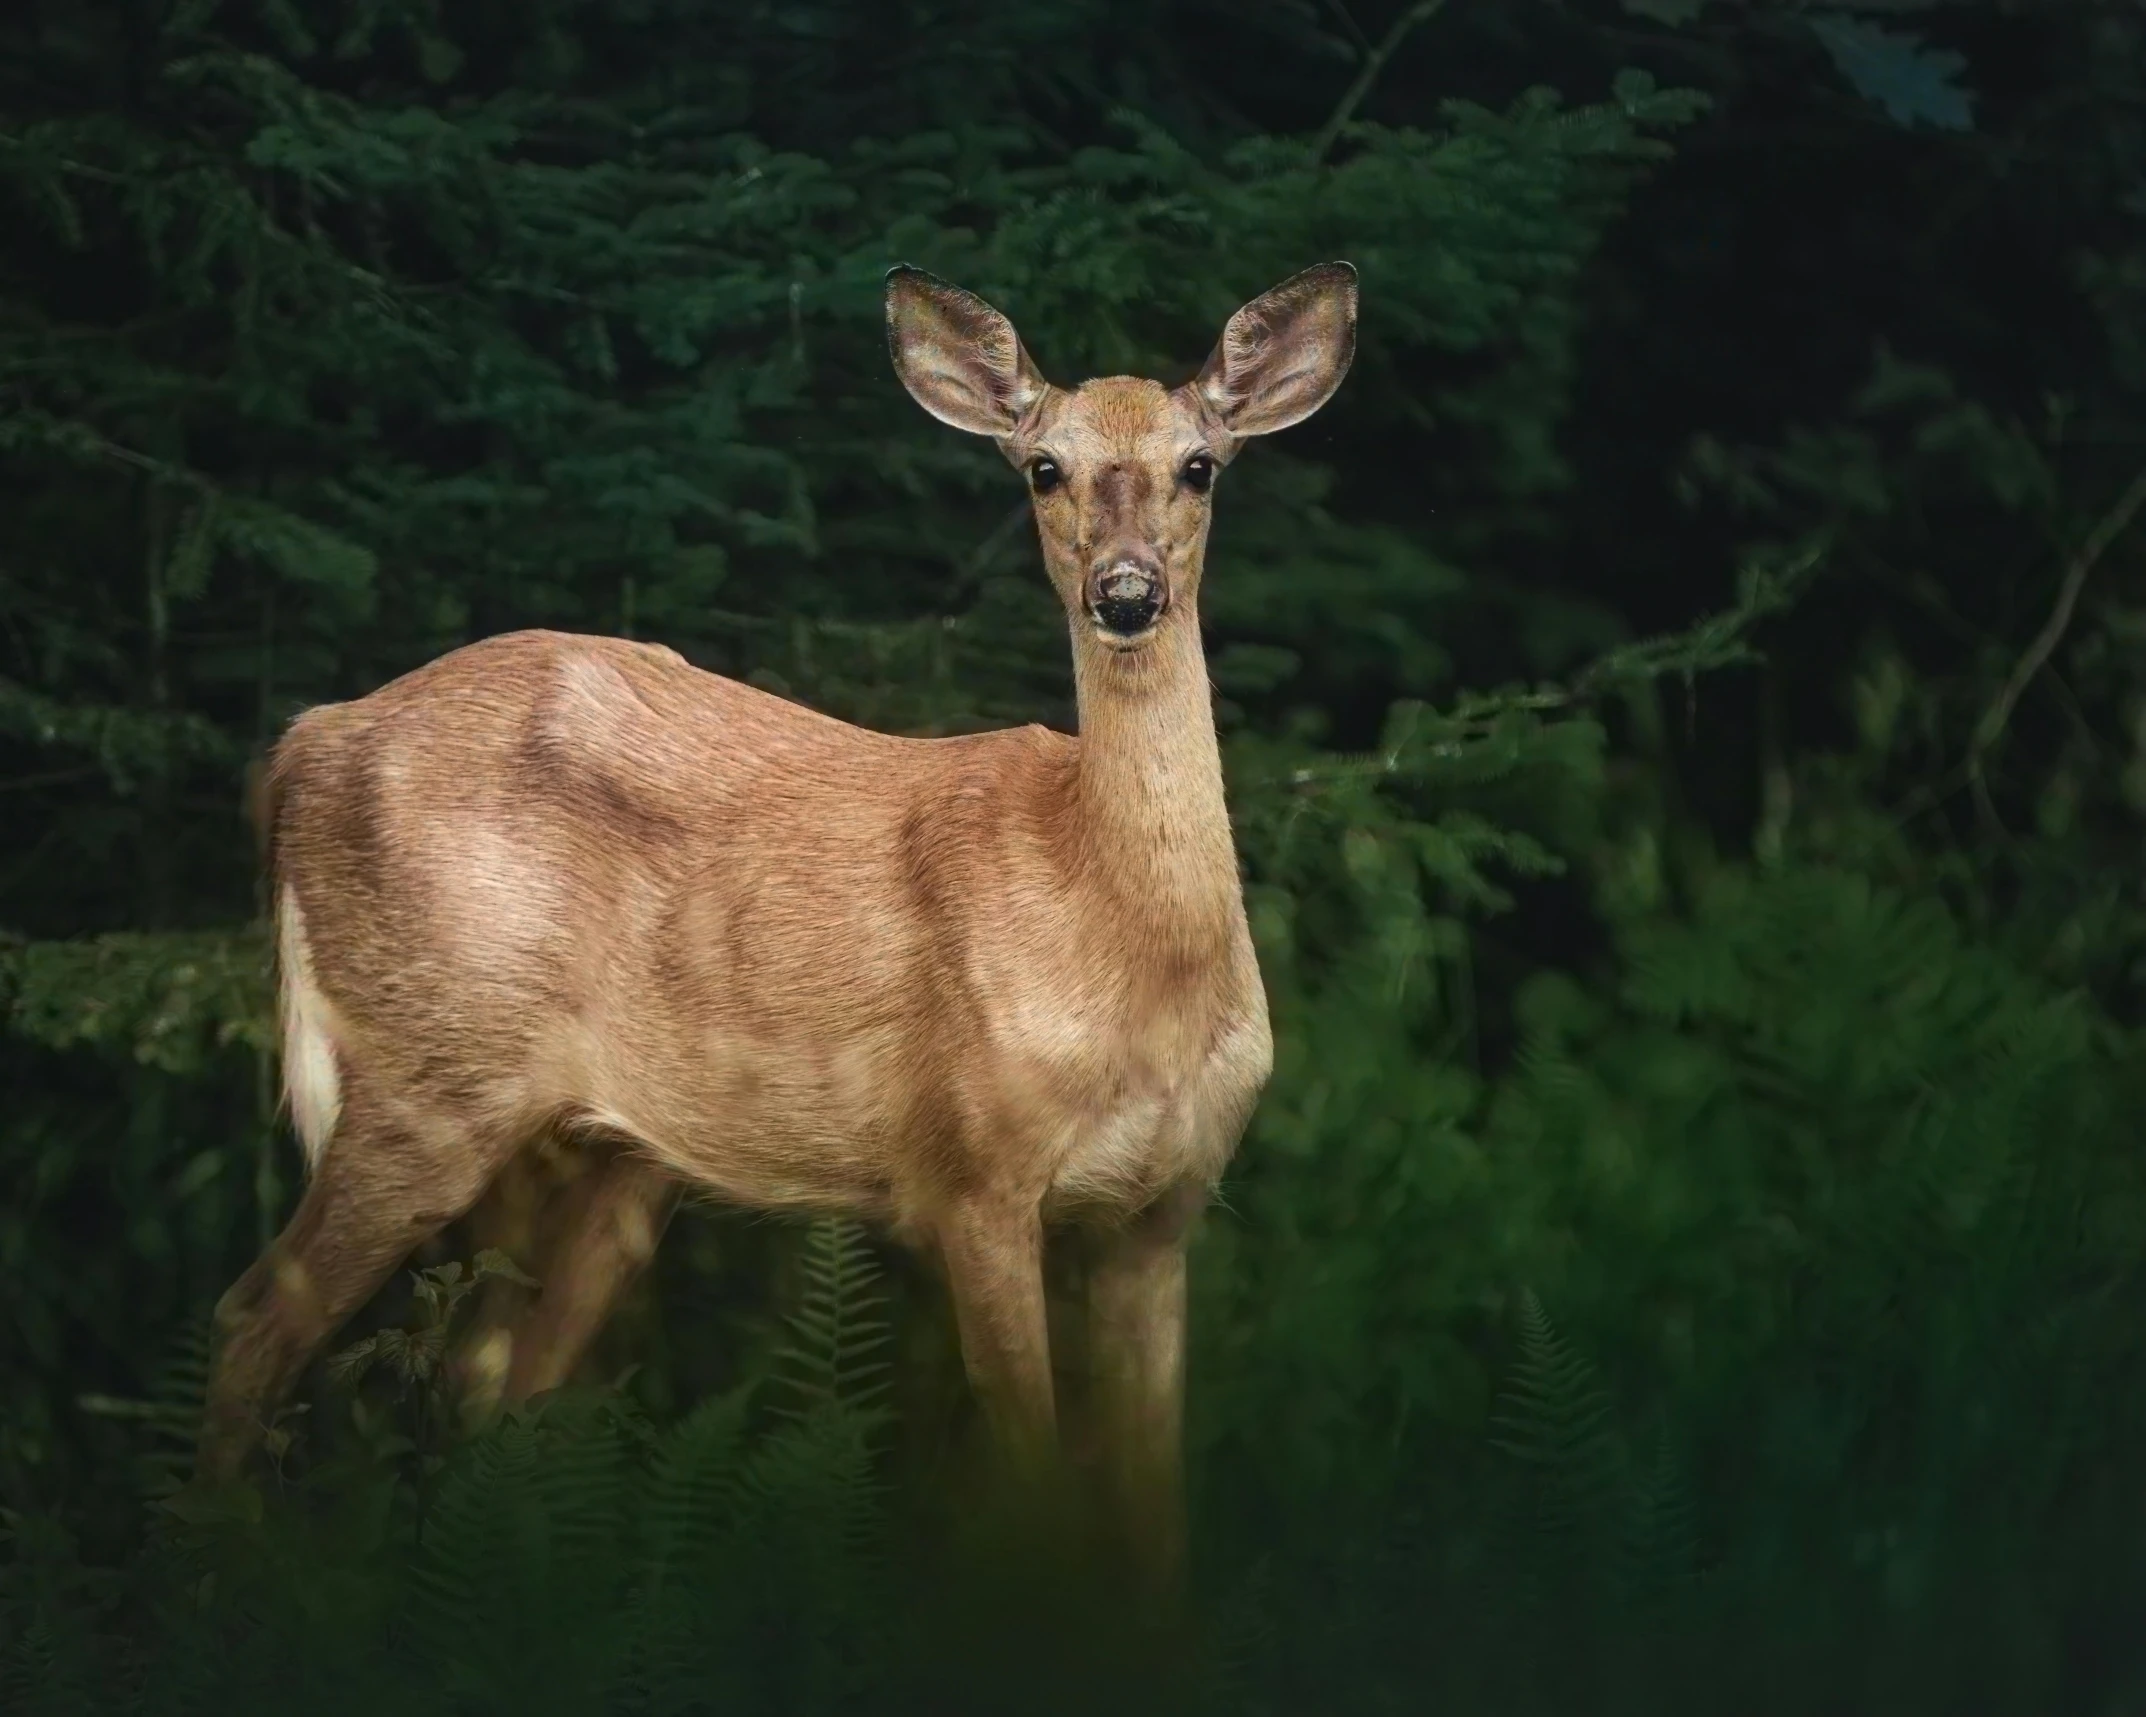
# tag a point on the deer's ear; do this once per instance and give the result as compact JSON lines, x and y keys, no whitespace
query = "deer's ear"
{"x":959,"y":358}
{"x":1282,"y":356}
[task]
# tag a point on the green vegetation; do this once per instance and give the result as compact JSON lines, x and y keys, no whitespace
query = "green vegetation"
{"x":1683,"y":703}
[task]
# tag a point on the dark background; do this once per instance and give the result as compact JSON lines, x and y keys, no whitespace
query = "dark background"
{"x":1683,"y":703}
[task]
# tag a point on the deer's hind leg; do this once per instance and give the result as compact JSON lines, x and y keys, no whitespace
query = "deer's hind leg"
{"x":388,"y":1179}
{"x":518,"y":1216}
{"x":608,"y":1229}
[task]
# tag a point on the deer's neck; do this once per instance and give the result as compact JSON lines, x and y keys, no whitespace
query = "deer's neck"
{"x":1150,"y":823}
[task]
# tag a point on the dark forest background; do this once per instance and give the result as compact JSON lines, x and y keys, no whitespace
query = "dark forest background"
{"x":1685,"y":708}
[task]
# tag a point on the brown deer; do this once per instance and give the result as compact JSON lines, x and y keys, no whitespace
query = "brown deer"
{"x":967,"y":988}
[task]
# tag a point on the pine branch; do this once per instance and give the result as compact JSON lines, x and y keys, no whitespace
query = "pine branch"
{"x":1422,"y":12}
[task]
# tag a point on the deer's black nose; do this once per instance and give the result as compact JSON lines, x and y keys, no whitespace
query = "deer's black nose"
{"x":1126,"y":597}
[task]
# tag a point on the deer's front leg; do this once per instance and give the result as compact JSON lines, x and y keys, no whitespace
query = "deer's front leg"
{"x":1136,"y":1356}
{"x":993,"y":1252}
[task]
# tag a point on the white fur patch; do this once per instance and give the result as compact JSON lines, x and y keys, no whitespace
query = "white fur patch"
{"x":310,"y":1080}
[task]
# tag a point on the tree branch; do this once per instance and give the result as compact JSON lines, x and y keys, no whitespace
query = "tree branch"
{"x":1991,"y":727}
{"x":1368,"y":74}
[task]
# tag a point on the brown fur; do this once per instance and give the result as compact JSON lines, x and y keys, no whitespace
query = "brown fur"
{"x":551,"y":886}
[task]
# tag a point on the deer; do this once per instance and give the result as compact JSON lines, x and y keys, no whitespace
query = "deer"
{"x":979,"y":991}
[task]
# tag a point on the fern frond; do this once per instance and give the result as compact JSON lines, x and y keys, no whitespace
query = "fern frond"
{"x":477,"y":1528}
{"x":170,"y":1414}
{"x":1659,"y":1548}
{"x":835,"y":1351}
{"x":1555,"y":1418}
{"x":697,"y":1484}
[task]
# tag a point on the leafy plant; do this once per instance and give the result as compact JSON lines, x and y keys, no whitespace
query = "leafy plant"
{"x":415,"y":1353}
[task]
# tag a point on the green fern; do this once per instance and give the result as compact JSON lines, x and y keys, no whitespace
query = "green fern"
{"x":59,"y":1656}
{"x":696,"y":1486}
{"x":1559,"y":1543}
{"x":41,"y":1677}
{"x":683,"y":1621}
{"x":527,"y":1554}
{"x":1658,"y":1560}
{"x":477,"y":1531}
{"x":169,"y":1416}
{"x":811,"y":1514}
{"x":835,"y":1353}
{"x":1556,"y":1418}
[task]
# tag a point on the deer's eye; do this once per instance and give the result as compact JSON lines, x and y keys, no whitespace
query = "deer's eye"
{"x":1199,"y":473}
{"x":1044,"y":475}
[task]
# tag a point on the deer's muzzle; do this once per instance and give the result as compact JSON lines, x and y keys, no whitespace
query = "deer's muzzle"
{"x":1126,"y":598}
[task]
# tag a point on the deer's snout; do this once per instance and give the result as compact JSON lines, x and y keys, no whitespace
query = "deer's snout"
{"x":1126,"y":594}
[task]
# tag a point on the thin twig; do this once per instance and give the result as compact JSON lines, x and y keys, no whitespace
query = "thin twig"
{"x":1368,"y":74}
{"x":1363,"y":42}
{"x":50,"y":778}
{"x":1992,"y":725}
{"x":995,"y":539}
{"x":80,"y":169}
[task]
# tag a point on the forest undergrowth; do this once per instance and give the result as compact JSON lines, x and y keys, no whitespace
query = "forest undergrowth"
{"x":1770,"y":1340}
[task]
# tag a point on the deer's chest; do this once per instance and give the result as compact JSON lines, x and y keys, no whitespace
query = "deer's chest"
{"x":1126,"y":1101}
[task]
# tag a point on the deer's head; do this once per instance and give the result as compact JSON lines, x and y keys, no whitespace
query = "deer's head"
{"x":1121,"y":470}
